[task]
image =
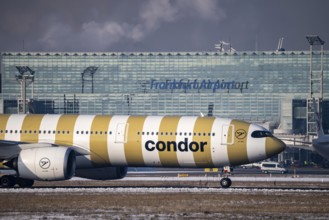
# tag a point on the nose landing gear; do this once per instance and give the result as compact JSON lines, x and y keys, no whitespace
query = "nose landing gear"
{"x":226,"y":182}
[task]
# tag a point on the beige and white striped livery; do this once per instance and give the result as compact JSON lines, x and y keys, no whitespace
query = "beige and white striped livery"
{"x":152,"y":141}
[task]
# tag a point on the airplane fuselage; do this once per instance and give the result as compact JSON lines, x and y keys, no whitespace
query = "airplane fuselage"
{"x":153,"y":141}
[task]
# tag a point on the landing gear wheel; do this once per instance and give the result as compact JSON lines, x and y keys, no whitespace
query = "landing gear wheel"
{"x":25,"y":183}
{"x":7,"y":181}
{"x":226,"y":182}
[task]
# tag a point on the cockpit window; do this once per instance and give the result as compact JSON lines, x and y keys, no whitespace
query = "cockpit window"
{"x":261,"y":134}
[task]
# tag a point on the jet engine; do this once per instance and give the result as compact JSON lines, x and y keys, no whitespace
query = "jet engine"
{"x":104,"y":173}
{"x":48,"y":163}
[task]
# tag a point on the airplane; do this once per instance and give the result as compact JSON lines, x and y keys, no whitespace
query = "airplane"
{"x":57,"y":147}
{"x":321,"y":143}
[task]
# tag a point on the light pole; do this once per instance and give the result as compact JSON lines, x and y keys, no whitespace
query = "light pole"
{"x":89,"y":71}
{"x":25,"y":78}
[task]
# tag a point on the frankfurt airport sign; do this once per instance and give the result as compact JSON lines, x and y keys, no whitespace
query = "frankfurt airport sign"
{"x":213,"y":85}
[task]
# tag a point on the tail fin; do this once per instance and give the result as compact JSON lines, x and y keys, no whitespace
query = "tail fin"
{"x":317,"y":119}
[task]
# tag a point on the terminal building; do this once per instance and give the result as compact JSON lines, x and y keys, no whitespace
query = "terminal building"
{"x":267,"y":87}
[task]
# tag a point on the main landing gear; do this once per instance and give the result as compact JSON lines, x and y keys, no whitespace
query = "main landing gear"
{"x":9,"y":181}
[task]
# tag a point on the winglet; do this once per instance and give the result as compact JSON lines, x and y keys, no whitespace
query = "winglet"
{"x":317,"y":119}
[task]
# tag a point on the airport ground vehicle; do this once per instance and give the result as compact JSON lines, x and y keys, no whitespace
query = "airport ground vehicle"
{"x":250,"y":165}
{"x":272,"y":167}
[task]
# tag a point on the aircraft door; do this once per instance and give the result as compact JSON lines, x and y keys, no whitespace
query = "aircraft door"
{"x":121,"y":133}
{"x":227,"y":135}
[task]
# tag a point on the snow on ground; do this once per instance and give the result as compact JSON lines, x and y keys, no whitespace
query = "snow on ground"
{"x":154,"y":190}
{"x":242,"y":179}
{"x":217,"y":179}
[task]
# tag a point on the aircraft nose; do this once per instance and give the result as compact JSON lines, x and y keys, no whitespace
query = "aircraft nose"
{"x":274,"y":146}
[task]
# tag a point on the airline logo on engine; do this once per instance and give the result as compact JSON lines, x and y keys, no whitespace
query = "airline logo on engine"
{"x":182,"y":146}
{"x":44,"y":163}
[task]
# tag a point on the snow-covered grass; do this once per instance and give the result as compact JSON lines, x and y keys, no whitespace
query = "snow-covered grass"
{"x":101,"y":190}
{"x":163,"y":203}
{"x":233,"y":178}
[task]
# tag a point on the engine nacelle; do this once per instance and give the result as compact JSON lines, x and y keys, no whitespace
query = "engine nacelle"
{"x":49,"y":163}
{"x":104,"y":173}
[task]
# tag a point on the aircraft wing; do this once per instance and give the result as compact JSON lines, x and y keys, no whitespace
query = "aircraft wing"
{"x":295,"y":141}
{"x":11,"y":149}
{"x":306,"y":145}
{"x":4,"y":143}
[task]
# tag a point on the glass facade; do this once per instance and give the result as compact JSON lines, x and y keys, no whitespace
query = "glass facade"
{"x":253,"y":86}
